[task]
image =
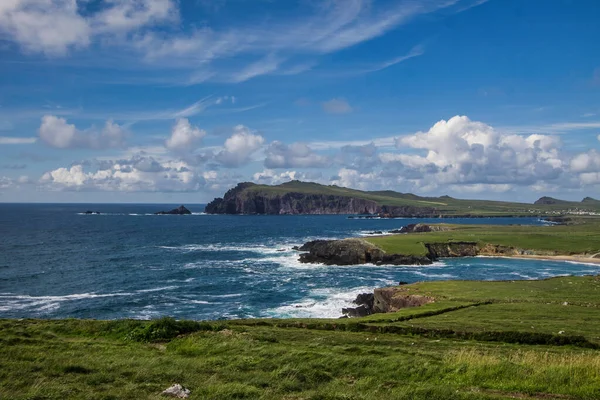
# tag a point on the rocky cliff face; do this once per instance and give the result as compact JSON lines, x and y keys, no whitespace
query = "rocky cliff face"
{"x":393,"y":299}
{"x":243,"y":200}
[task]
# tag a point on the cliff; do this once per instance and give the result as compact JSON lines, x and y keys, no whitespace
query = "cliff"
{"x":248,"y":198}
{"x":297,"y":197}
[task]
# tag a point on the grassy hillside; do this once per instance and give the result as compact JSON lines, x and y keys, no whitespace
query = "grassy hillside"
{"x":581,"y":238}
{"x":445,"y":204}
{"x":479,"y":340}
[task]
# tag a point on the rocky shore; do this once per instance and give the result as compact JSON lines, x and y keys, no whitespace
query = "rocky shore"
{"x":384,"y":300}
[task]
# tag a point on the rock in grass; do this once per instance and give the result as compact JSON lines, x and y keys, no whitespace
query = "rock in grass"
{"x":177,"y":391}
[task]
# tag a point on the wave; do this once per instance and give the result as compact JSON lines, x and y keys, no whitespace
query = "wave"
{"x":158,"y":289}
{"x":431,"y":275}
{"x":12,"y":302}
{"x":320,"y":303}
{"x":373,"y":233}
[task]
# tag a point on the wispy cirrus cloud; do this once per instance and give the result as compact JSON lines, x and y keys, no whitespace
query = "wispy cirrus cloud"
{"x":17,"y":140}
{"x":134,"y":30}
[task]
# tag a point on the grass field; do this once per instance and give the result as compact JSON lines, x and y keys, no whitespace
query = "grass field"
{"x":479,"y":340}
{"x":561,"y":240}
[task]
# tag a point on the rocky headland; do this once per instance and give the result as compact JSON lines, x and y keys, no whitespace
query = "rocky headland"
{"x":353,"y":252}
{"x":248,"y":198}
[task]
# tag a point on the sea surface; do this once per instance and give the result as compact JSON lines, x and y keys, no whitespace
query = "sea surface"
{"x":56,"y":262}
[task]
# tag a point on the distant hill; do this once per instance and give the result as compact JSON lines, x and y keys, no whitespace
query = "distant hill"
{"x":296,"y":197}
{"x":549,"y":200}
{"x":591,"y":201}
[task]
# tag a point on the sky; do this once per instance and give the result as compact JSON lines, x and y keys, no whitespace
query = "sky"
{"x":176,"y":101}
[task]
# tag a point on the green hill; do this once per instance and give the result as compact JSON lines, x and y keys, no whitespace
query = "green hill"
{"x":296,"y":197}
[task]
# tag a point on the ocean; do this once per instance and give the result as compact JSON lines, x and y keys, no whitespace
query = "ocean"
{"x":56,"y":262}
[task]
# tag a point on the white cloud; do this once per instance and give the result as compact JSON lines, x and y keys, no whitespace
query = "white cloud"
{"x":414,"y":52}
{"x":337,"y":106}
{"x":46,"y":26}
{"x":17,"y":140}
{"x":53,"y":27}
{"x":271,"y":177}
{"x":239,"y":147}
{"x":296,"y":155}
{"x":461,"y":151}
{"x":586,"y":162}
{"x":140,"y":173}
{"x":56,"y":132}
{"x":153,"y":31}
{"x":264,"y":66}
{"x":10,"y":183}
{"x":184,"y":136}
{"x":352,"y":178}
{"x":126,"y":15}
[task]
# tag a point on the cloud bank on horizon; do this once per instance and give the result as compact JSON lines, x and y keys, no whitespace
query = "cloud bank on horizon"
{"x":165,"y":100}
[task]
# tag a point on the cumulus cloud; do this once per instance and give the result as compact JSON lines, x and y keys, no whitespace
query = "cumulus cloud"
{"x":238,"y":148}
{"x":184,"y":137}
{"x":296,"y":155}
{"x":347,"y":177}
{"x":271,"y":177}
{"x":336,"y":106}
{"x":53,"y":27}
{"x":461,"y":151}
{"x":12,"y":183}
{"x":359,"y":157}
{"x":586,"y":162}
{"x":139,"y":173}
{"x":56,"y":132}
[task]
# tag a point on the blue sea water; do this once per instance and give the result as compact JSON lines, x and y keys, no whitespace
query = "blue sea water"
{"x":128,"y":263}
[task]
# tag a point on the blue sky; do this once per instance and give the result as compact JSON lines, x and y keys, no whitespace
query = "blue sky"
{"x":176,"y":101}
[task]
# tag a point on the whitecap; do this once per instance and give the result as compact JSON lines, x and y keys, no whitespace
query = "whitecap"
{"x":320,"y":303}
{"x":431,"y":275}
{"x":158,"y":289}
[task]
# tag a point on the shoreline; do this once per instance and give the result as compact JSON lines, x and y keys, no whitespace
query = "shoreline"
{"x":574,"y":258}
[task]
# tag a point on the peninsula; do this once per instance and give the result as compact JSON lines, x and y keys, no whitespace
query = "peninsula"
{"x":421,"y":244}
{"x":297,"y":197}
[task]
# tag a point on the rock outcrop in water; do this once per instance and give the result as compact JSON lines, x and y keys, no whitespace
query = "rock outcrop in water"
{"x":249,"y":198}
{"x":353,"y":252}
{"x":181,"y":210}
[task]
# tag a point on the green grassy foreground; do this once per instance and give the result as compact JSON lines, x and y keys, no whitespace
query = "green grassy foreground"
{"x":478,"y":340}
{"x":583,"y":238}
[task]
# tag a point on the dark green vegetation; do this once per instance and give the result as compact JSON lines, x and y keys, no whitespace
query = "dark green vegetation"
{"x":297,"y":197}
{"x":479,"y":340}
{"x":581,"y":238}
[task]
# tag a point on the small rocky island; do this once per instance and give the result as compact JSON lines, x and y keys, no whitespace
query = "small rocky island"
{"x":181,"y":210}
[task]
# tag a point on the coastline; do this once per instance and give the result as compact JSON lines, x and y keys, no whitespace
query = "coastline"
{"x":573,"y":258}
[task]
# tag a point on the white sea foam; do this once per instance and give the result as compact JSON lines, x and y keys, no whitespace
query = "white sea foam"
{"x":585,"y":263}
{"x":158,"y":289}
{"x":320,"y":303}
{"x":520,"y":275}
{"x":431,"y":275}
{"x":372,"y":233}
{"x":11,"y":302}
